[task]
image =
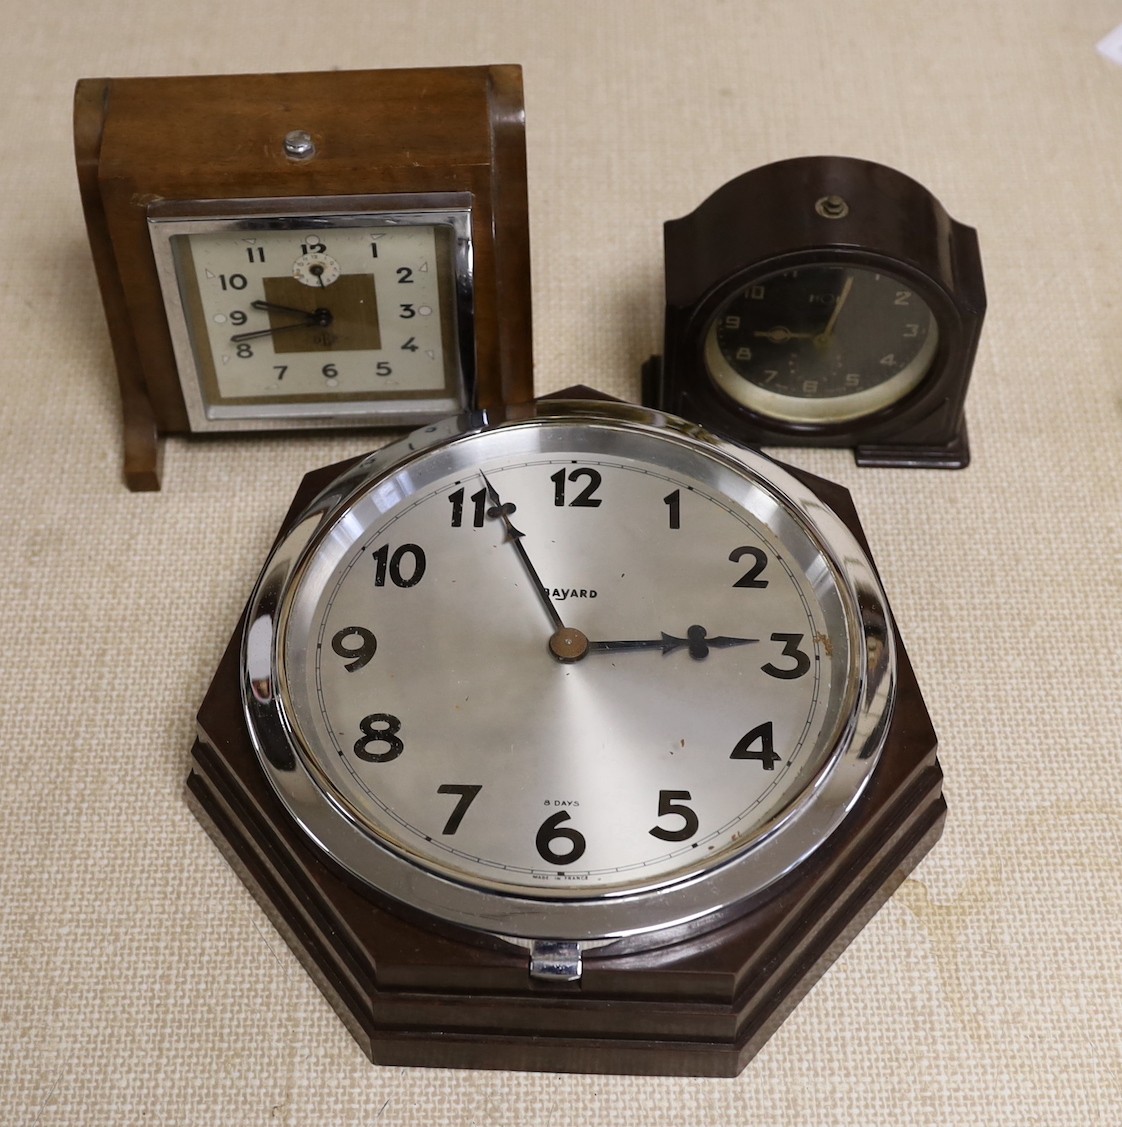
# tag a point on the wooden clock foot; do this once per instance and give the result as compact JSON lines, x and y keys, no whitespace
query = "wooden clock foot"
{"x":142,"y":452}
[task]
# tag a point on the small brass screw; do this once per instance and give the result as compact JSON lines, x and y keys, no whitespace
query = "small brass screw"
{"x":832,"y":207}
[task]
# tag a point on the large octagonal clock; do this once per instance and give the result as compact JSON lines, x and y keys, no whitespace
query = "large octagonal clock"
{"x":347,"y":249}
{"x":576,"y":739}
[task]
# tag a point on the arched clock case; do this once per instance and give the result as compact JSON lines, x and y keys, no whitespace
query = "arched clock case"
{"x":823,"y":301}
{"x":516,"y":795}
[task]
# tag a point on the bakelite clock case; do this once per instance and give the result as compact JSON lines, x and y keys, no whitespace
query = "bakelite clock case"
{"x":776,"y":241}
{"x":205,"y":194}
{"x":417,"y":970}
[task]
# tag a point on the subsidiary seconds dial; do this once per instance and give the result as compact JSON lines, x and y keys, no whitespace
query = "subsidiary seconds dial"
{"x":560,"y":662}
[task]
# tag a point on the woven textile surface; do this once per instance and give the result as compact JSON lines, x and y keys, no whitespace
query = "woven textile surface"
{"x":141,"y":984}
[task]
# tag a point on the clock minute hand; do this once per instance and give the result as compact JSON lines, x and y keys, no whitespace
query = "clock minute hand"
{"x":827,"y":332}
{"x":696,"y":641}
{"x":500,"y":511}
{"x":254,"y":334}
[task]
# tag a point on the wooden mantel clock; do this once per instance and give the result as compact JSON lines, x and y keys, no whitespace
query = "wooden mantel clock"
{"x":281,"y":251}
{"x":823,"y":301}
{"x":575,"y":740}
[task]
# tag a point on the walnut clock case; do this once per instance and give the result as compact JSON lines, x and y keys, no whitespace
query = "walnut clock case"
{"x":522,"y":796}
{"x":284,"y":251}
{"x":823,"y":301}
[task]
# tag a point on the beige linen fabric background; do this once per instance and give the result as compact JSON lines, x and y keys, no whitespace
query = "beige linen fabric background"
{"x":140,"y":984}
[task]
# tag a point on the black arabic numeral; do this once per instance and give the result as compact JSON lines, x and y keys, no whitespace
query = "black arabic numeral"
{"x":233,"y":282}
{"x":670,"y":802}
{"x":387,"y":735}
{"x":390,"y":565}
{"x":237,"y":317}
{"x":551,"y":830}
{"x":467,"y":793}
{"x":359,"y":653}
{"x":479,"y":506}
{"x":751,"y":578}
{"x":673,"y":501}
{"x":404,"y":276}
{"x":407,"y":311}
{"x":255,"y":254}
{"x":313,"y":247}
{"x":244,"y":350}
{"x":584,"y":499}
{"x":790,"y":649}
{"x":410,"y":345}
{"x":765,"y":753}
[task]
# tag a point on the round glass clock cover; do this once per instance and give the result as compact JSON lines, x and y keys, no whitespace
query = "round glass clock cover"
{"x":582,"y":676}
{"x":821,"y":344}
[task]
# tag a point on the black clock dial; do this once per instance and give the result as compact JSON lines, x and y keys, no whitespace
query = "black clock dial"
{"x":821,"y":343}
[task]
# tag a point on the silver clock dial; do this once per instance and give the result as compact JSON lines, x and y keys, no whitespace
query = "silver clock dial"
{"x":566,"y":661}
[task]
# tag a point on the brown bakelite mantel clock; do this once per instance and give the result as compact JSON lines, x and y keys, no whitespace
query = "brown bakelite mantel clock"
{"x":287,"y":251}
{"x":570,"y":738}
{"x":823,"y":301}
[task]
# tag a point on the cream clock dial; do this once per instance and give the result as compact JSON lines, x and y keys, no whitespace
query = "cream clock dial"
{"x":302,"y":317}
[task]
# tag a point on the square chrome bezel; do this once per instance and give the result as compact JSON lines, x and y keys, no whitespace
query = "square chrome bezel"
{"x":453,"y":211}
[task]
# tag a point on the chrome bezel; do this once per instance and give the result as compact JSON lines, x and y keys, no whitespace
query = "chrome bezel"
{"x":168,"y":219}
{"x":640,"y":917}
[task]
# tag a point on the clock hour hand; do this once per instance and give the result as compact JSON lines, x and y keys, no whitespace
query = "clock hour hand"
{"x":275,"y":308}
{"x":696,"y":641}
{"x":781,"y":334}
{"x":313,"y":318}
{"x":500,"y":511}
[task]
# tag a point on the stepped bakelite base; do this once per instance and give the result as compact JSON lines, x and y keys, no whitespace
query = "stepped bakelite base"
{"x":414,"y":993}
